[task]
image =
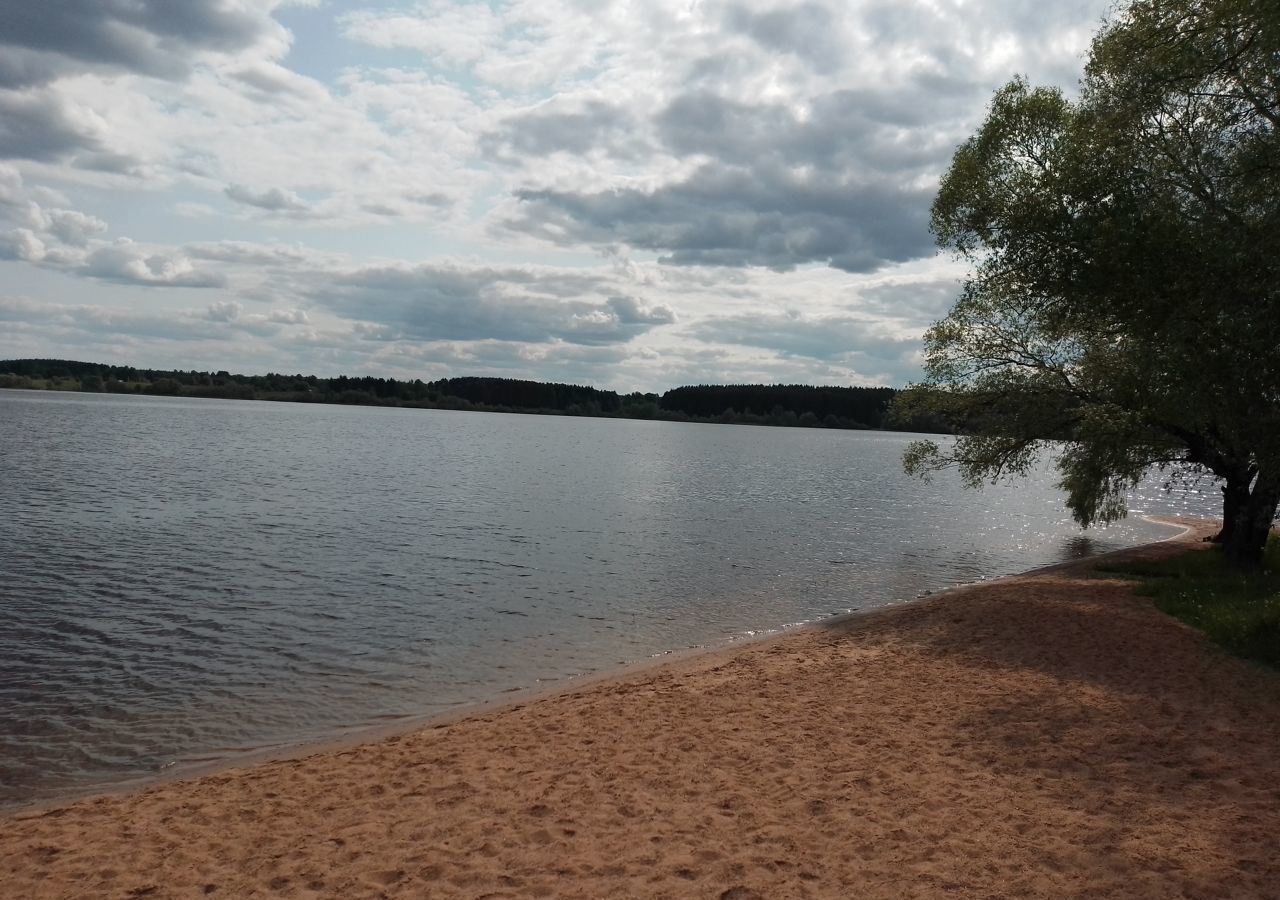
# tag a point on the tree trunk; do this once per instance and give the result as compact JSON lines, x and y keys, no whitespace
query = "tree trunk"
{"x":1235,"y":494}
{"x":1245,"y":534}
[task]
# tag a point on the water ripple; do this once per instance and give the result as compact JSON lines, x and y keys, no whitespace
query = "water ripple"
{"x":183,"y":581}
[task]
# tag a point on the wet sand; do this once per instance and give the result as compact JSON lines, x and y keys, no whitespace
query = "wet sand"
{"x":1049,"y":735}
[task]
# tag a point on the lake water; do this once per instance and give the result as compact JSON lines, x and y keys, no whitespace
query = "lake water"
{"x":183,"y":580}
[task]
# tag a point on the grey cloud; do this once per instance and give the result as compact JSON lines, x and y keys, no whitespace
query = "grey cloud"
{"x":706,"y":123}
{"x":949,"y":35}
{"x":808,"y":31}
{"x":21,"y":243}
{"x":86,"y":324}
{"x":39,"y":41}
{"x":108,"y":161}
{"x":824,"y":337}
{"x":923,"y":302}
{"x":846,"y":183}
{"x":919,"y":22}
{"x":232,"y":312}
{"x":447,"y":304}
{"x":857,"y":342}
{"x":74,"y":227}
{"x":12,"y":310}
{"x":140,"y":324}
{"x":547,"y":283}
{"x":202,"y":165}
{"x":288,"y":316}
{"x":409,"y":204}
{"x":545,"y":130}
{"x":20,"y":67}
{"x":266,"y":81}
{"x":13,"y":193}
{"x":630,"y":312}
{"x":247,"y":253}
{"x":223,"y":311}
{"x":276,"y":81}
{"x":847,"y":130}
{"x":716,"y":69}
{"x":69,"y":240}
{"x":734,"y":216}
{"x":382,"y":209}
{"x":38,"y":126}
{"x":431,"y":198}
{"x":272,"y":200}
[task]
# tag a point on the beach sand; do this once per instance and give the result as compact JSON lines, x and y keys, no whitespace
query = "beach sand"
{"x":1049,"y":735}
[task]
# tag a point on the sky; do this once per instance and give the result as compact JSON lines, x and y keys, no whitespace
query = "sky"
{"x":634,"y":195}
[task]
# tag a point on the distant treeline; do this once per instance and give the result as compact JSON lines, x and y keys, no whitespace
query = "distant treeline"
{"x":831,"y":407}
{"x":790,"y":405}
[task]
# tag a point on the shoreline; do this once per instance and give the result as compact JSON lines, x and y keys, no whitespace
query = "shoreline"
{"x":1047,"y":734}
{"x":357,"y":735}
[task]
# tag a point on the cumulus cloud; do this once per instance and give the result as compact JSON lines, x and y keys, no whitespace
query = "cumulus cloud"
{"x":21,"y":243}
{"x":71,"y":241}
{"x":782,"y":134}
{"x":732,"y":216}
{"x":151,"y":37}
{"x":272,"y":199}
{"x":288,"y":316}
{"x":861,"y":343}
{"x":49,"y":236}
{"x":251,"y":254}
{"x":223,"y":311}
{"x":74,"y":227}
{"x":454,"y":33}
{"x":820,"y":337}
{"x":274,"y":80}
{"x":130,"y":263}
{"x":232,"y":312}
{"x":811,"y":32}
{"x":922,"y":301}
{"x":844,"y":179}
{"x":628,"y":311}
{"x":41,"y":125}
{"x":576,"y":127}
{"x":82,"y":324}
{"x":430,"y":303}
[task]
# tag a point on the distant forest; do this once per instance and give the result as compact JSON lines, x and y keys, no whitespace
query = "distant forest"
{"x":746,"y":404}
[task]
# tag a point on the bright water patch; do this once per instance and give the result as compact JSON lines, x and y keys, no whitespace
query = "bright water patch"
{"x":181,"y":580}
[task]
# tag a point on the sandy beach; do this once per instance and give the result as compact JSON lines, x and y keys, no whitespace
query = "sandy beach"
{"x":1049,"y":735}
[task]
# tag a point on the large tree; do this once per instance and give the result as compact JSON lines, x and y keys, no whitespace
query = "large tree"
{"x":1123,"y":304}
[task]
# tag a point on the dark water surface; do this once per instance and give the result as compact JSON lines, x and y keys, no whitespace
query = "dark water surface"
{"x":182,"y":580}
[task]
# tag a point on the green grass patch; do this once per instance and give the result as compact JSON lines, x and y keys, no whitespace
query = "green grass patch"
{"x":1238,"y":611}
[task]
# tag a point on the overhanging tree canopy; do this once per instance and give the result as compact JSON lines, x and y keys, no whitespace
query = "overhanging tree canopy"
{"x":1124,"y":296}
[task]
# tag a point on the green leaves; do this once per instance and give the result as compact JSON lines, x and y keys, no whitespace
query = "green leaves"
{"x":1124,"y":290}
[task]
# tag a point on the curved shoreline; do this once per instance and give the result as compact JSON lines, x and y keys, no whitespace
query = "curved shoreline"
{"x":346,"y":738}
{"x":1048,"y":734}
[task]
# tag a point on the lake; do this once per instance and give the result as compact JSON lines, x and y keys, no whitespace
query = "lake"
{"x":186,"y":580}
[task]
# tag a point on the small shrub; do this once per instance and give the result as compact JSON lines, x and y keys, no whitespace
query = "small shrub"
{"x":1240,"y":611}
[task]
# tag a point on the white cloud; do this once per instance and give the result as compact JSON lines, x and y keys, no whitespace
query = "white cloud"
{"x":21,"y":243}
{"x":272,"y":199}
{"x":123,"y":260}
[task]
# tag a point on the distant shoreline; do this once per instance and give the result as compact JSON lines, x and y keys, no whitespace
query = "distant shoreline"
{"x":692,"y":420}
{"x":806,"y":406}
